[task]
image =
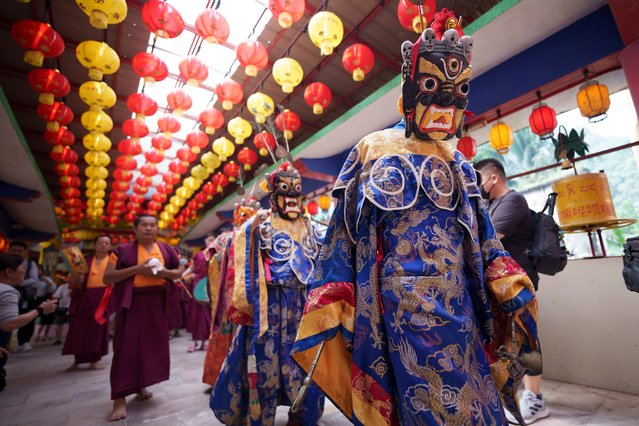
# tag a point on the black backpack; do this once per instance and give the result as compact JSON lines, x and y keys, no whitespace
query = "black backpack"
{"x":631,"y":264}
{"x":547,"y":254}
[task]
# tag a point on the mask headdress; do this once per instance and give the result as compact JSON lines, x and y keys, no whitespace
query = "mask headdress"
{"x":435,"y":72}
{"x":244,"y":210}
{"x":285,"y":186}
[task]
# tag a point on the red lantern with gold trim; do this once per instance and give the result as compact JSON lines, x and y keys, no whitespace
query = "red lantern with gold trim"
{"x":409,"y":18}
{"x":65,"y":169}
{"x":220,"y":180}
{"x":142,"y":105}
{"x":197,"y":140}
{"x":229,"y":92}
{"x":193,"y":70}
{"x":252,"y":55}
{"x":126,"y":162}
{"x":467,"y":146}
{"x":543,"y":121}
{"x":135,"y":129}
{"x":185,"y":154}
{"x":177,"y":166}
{"x":154,"y":156}
{"x":63,"y":154}
{"x":123,"y":175}
{"x":164,"y":187}
{"x":158,"y":197}
{"x":150,"y":67}
{"x":69,"y":181}
{"x":287,"y":12}
{"x":318,"y":96}
{"x":162,"y":19}
{"x":55,"y":115}
{"x":169,"y":125}
{"x":212,"y":26}
{"x":359,"y":60}
{"x":49,"y":83}
{"x":312,"y":208}
{"x":232,"y":170}
{"x":38,"y":39}
{"x":179,"y":101}
{"x":130,"y":147}
{"x":63,"y":136}
{"x":149,"y":169}
{"x":265,"y":142}
{"x":212,"y":120}
{"x":288,"y":122}
{"x":161,"y":142}
{"x":247,"y":157}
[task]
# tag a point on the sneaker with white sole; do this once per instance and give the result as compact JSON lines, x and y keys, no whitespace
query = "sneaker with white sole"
{"x":532,"y":407}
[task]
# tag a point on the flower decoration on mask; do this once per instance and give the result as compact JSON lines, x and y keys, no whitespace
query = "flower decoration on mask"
{"x":435,"y":74}
{"x":244,"y":210}
{"x":285,"y":186}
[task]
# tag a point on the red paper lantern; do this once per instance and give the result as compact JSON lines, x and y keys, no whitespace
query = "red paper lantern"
{"x":67,"y":193}
{"x":232,"y":170}
{"x":150,"y":67}
{"x":73,"y":211}
{"x":312,"y":207}
{"x":126,"y":162}
{"x":220,"y":180}
{"x":264,"y":141}
{"x":119,"y":187}
{"x":141,"y":190}
{"x":49,"y":83}
{"x":63,"y":154}
{"x":358,"y":59}
{"x":179,"y":101}
{"x":130,"y":147}
{"x":73,"y":203}
{"x":247,"y":157}
{"x":161,"y":142}
{"x":153,"y":205}
{"x":318,"y":96}
{"x":197,"y":140}
{"x":38,"y":39}
{"x":408,"y":15}
{"x":177,"y":166}
{"x":130,"y":217}
{"x":112,"y":220}
{"x":193,"y":70}
{"x":543,"y":121}
{"x":252,"y":55}
{"x":135,"y":128}
{"x":212,"y":26}
{"x":158,"y":197}
{"x":55,"y":115}
{"x":144,"y":180}
{"x":122,"y":175}
{"x":69,"y":181}
{"x":287,"y":12}
{"x":230,"y":93}
{"x":142,"y":105}
{"x":65,"y":169}
{"x":165,"y":188}
{"x":288,"y":122}
{"x":208,"y":189}
{"x":467,"y":146}
{"x":169,"y":125}
{"x":185,"y":154}
{"x":136,"y":199}
{"x":74,"y":220}
{"x":162,"y":19}
{"x":211,"y":119}
{"x":149,"y":169}
{"x":201,"y":197}
{"x":154,"y":156}
{"x":63,"y":136}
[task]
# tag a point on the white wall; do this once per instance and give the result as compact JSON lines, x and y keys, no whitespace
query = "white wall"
{"x":589,"y":326}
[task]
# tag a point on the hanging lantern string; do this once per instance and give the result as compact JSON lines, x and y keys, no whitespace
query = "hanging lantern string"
{"x":268,"y":148}
{"x":324,"y":5}
{"x":217,"y":6}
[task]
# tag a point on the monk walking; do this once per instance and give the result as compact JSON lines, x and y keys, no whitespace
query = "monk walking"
{"x":88,"y":337}
{"x":140,"y":271}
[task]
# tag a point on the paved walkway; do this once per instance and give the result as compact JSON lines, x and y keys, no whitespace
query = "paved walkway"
{"x":41,"y":393}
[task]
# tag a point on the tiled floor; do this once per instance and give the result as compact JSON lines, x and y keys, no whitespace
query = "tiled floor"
{"x":41,"y":393}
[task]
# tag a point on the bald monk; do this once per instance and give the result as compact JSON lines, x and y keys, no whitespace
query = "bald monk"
{"x":140,"y":271}
{"x":88,"y":336}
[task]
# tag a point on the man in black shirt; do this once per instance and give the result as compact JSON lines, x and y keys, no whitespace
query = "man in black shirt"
{"x":510,"y":216}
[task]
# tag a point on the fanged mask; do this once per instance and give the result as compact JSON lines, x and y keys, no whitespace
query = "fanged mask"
{"x":285,"y":185}
{"x":245,"y":210}
{"x":435,"y":87}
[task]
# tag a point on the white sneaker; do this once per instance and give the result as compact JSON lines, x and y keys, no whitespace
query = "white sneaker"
{"x":532,"y":407}
{"x":27,"y":347}
{"x":20,"y":348}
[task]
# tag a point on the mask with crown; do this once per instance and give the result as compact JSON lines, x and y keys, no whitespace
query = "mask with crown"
{"x":435,"y":72}
{"x":244,"y":210}
{"x":285,"y":186}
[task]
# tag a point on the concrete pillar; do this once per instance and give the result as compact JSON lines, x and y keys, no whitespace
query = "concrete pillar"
{"x":629,"y":58}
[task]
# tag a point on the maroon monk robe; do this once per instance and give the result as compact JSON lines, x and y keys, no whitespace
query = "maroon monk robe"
{"x":140,"y":344}
{"x":86,"y":339}
{"x":199,"y":324}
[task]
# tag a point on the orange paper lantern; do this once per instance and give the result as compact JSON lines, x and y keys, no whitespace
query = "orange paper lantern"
{"x":212,"y":26}
{"x":252,"y":55}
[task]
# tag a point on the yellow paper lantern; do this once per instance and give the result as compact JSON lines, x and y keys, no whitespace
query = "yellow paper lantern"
{"x":96,"y":172}
{"x":96,"y":141}
{"x":177,"y":201}
{"x":97,"y":121}
{"x":288,"y":73}
{"x":97,"y":158}
{"x":501,"y":137}
{"x":98,"y":57}
{"x":171,"y":209}
{"x":200,"y":173}
{"x":261,"y":106}
{"x":103,"y":12}
{"x":94,"y":212}
{"x":326,"y":31}
{"x":324,"y":202}
{"x":95,"y":203}
{"x":192,"y":183}
{"x":95,"y":193}
{"x":166,"y":216}
{"x":183,"y":192}
{"x":96,"y":184}
{"x":210,"y":161}
{"x":163,"y":224}
{"x":240,"y":129}
{"x":223,"y":147}
{"x":593,"y":100}
{"x":97,"y":94}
